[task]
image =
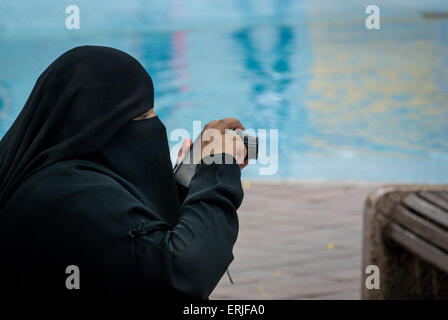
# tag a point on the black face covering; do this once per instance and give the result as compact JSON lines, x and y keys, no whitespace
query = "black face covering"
{"x":139,"y":153}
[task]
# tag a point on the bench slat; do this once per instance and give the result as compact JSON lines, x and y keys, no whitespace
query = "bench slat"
{"x":443,"y":195}
{"x":427,"y":210}
{"x":435,"y":198}
{"x":418,"y":246}
{"x":421,"y":227}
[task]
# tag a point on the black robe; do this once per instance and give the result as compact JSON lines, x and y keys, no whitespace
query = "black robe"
{"x":70,"y":213}
{"x":67,"y":196}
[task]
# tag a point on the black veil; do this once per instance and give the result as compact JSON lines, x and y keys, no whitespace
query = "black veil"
{"x":76,"y":106}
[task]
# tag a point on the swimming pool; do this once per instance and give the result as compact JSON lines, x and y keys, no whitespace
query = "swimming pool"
{"x":349,"y":103}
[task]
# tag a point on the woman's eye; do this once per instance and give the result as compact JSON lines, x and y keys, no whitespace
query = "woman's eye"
{"x":142,"y":117}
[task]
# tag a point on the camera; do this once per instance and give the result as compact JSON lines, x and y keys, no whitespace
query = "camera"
{"x":185,"y":170}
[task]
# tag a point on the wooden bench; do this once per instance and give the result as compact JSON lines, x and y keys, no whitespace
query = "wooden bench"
{"x":406,"y":235}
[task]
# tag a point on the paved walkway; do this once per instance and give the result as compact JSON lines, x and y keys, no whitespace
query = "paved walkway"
{"x":297,"y":241}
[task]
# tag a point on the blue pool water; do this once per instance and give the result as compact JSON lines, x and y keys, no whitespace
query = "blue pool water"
{"x":349,"y":103}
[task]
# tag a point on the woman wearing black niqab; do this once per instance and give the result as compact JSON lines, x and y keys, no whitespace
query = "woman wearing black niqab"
{"x":82,"y":183}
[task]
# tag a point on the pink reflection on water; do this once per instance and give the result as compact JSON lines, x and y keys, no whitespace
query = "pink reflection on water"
{"x":179,"y":63}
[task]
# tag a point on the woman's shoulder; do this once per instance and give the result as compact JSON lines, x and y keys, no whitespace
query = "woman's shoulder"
{"x":75,"y":172}
{"x":67,"y":180}
{"x":74,"y":193}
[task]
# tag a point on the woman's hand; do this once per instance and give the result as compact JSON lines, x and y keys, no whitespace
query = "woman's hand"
{"x":186,"y":144}
{"x":215,"y":140}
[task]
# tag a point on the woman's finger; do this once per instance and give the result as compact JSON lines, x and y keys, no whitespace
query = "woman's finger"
{"x":242,"y":166}
{"x":186,"y":144}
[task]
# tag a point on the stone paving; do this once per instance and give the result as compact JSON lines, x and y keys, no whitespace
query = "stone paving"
{"x":297,"y":241}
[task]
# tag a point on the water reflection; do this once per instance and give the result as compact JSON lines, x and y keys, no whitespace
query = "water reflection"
{"x":269,"y":81}
{"x":386,"y":98}
{"x":348,"y":103}
{"x":162,"y":54}
{"x":269,"y":55}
